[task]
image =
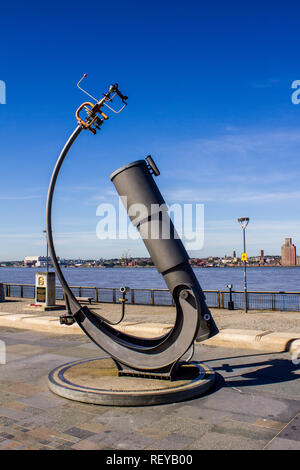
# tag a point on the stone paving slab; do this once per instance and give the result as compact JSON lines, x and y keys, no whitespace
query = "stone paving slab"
{"x":279,"y":444}
{"x":256,"y":399}
{"x":288,"y":438}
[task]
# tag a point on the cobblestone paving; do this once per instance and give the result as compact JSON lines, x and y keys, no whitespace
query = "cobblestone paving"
{"x":255,"y":405}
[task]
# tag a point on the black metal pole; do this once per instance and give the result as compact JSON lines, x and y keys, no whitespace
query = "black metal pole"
{"x":47,"y":255}
{"x":47,"y":264}
{"x":245,"y":272}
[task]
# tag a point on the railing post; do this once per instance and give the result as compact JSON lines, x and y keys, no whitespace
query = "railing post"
{"x":172,"y":301}
{"x":132,"y":296}
{"x":79,"y":292}
{"x":152,"y":297}
{"x":22,"y":291}
{"x":218,"y":299}
{"x":114,"y":296}
{"x":96,"y":296}
{"x":273,"y":302}
{"x":222,"y":299}
{"x":8,"y":290}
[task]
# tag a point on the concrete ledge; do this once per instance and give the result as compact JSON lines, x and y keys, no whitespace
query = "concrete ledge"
{"x":39,"y":323}
{"x":262,"y":340}
{"x":281,"y":341}
{"x":43,"y":308}
{"x":235,"y":338}
{"x":52,"y":325}
{"x":268,"y":340}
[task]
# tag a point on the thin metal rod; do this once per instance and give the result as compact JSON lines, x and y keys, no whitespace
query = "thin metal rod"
{"x":118,"y":321}
{"x":49,"y":235}
{"x":47,"y":262}
{"x":47,"y":255}
{"x":91,"y":96}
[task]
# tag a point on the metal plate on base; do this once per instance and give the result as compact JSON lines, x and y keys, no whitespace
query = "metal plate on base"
{"x":96,"y":381}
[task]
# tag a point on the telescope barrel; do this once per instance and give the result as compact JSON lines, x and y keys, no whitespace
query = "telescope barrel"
{"x":148,"y":211}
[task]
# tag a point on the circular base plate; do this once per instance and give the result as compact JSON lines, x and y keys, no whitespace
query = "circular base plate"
{"x":96,"y":381}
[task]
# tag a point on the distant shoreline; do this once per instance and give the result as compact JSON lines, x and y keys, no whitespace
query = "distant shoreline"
{"x":210,"y":279}
{"x":149,"y":267}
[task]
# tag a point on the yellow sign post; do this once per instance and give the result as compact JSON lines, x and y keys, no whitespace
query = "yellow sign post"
{"x":244,"y":256}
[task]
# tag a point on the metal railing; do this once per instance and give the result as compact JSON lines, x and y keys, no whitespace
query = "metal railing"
{"x":257,"y":300}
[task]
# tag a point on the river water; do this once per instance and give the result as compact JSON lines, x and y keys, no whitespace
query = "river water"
{"x":261,"y":279}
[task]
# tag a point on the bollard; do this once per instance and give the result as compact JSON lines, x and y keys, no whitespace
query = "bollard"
{"x":230,"y":303}
{"x":2,"y":295}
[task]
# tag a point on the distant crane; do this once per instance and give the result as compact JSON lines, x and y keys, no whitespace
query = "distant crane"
{"x":125,"y":257}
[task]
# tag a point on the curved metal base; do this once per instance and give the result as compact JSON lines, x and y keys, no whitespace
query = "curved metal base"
{"x":96,"y":381}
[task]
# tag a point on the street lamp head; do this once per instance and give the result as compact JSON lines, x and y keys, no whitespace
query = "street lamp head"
{"x":243,"y":221}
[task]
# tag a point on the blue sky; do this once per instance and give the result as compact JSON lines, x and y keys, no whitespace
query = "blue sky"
{"x":209,"y":86}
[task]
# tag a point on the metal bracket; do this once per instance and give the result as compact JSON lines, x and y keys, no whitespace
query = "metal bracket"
{"x":152,"y":166}
{"x":93,"y":122}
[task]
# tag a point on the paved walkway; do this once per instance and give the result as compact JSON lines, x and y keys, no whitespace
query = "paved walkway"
{"x":255,"y":405}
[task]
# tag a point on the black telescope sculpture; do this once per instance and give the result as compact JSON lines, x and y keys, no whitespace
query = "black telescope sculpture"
{"x":136,"y":356}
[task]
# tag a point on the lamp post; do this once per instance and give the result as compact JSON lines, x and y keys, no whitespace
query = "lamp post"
{"x":45,"y":232}
{"x":243,"y":221}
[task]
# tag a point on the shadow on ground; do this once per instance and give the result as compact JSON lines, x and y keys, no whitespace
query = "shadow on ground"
{"x":266,"y":372}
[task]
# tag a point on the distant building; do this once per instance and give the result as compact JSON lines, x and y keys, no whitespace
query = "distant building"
{"x":262,"y":257}
{"x":234,"y":254}
{"x":288,"y":253}
{"x":37,"y":261}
